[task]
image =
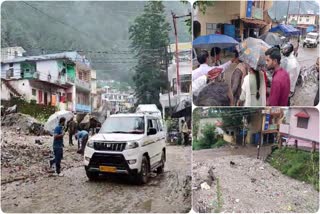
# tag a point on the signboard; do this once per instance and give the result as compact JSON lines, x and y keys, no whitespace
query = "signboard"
{"x":249,"y":8}
{"x":257,"y":13}
{"x":266,"y":124}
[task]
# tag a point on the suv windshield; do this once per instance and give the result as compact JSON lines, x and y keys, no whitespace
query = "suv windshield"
{"x":130,"y":125}
{"x":311,"y":36}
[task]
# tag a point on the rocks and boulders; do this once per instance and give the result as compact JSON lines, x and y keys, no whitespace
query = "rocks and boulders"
{"x":24,"y":123}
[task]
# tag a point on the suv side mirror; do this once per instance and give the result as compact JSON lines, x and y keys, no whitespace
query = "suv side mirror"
{"x":152,"y":131}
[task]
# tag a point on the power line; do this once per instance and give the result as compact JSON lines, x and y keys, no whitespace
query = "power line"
{"x":56,"y":20}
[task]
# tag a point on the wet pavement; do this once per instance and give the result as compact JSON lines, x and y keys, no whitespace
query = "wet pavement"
{"x":307,"y":56}
{"x":168,"y":192}
{"x":239,"y":182}
{"x":305,"y":93}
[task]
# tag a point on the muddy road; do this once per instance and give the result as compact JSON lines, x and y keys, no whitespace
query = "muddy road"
{"x":306,"y":93}
{"x":247,"y":184}
{"x":168,"y":192}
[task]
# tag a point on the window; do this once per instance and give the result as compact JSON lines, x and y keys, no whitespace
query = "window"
{"x":211,"y":28}
{"x":185,"y":81}
{"x":300,"y":19}
{"x":302,"y":122}
{"x":34,"y":92}
{"x":308,"y":20}
{"x":10,"y":64}
{"x":160,"y":125}
{"x":69,"y":97}
{"x":150,"y":124}
{"x":155,"y":124}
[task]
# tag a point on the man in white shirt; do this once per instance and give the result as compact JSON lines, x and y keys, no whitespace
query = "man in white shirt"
{"x":204,"y":68}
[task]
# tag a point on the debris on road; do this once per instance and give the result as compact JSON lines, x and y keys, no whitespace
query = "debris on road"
{"x":253,"y":186}
{"x":205,"y":186}
{"x":26,"y":156}
{"x":23,"y":122}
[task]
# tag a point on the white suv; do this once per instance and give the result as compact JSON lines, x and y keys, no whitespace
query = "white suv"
{"x":132,"y":144}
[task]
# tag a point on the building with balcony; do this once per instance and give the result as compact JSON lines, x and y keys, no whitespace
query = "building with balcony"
{"x":185,"y":69}
{"x":304,"y":22}
{"x":302,"y":127}
{"x":11,"y":53}
{"x":238,"y":19}
{"x":55,"y":79}
{"x":120,"y":101}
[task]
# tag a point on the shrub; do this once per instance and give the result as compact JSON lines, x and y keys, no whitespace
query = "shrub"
{"x":300,"y":165}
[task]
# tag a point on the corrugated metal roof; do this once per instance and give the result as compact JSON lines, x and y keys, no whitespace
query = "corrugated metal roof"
{"x":73,"y":56}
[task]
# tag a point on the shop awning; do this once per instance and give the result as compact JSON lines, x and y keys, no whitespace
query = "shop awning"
{"x":302,"y":114}
{"x":287,"y":30}
{"x":254,"y":21}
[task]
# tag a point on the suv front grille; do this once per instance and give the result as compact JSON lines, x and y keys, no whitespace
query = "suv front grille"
{"x":108,"y":146}
{"x":116,"y":160}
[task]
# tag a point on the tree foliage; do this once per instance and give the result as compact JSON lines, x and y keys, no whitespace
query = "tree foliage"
{"x":202,"y":6}
{"x":150,"y":37}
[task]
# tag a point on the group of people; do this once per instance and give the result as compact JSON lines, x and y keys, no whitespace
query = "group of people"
{"x":248,"y":85}
{"x":81,"y":136}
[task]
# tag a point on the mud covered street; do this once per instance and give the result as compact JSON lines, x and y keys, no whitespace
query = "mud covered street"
{"x":242,"y":183}
{"x":305,"y":94}
{"x":38,"y":191}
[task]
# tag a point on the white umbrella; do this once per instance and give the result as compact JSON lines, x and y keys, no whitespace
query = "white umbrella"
{"x":53,"y":120}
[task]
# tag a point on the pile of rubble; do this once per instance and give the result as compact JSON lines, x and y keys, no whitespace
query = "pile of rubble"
{"x":243,"y":184}
{"x":26,"y":156}
{"x":22,"y":123}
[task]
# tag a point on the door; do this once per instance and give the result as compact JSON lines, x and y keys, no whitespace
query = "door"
{"x":45,"y":98}
{"x":150,"y":143}
{"x":40,"y":97}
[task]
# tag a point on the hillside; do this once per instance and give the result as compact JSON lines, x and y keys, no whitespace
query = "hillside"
{"x":279,"y":8}
{"x":98,"y":29}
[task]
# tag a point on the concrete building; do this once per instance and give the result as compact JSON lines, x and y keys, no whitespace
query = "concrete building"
{"x":118,"y":100}
{"x":238,"y":19}
{"x":11,"y":53}
{"x":62,"y":80}
{"x":304,"y":22}
{"x":185,"y":69}
{"x":301,"y":126}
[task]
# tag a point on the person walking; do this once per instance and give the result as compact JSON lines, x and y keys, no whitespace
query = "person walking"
{"x":82,"y":137}
{"x":71,"y":128}
{"x":253,"y":89}
{"x":291,"y":65}
{"x":185,"y":131}
{"x":280,"y":86}
{"x":58,"y":147}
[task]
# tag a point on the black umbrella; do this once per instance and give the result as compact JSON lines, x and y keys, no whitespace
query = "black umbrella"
{"x":271,"y":39}
{"x":183,"y":109}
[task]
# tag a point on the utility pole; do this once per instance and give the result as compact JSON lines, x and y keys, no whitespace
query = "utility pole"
{"x":287,"y":12}
{"x":167,"y":74}
{"x":174,"y":18}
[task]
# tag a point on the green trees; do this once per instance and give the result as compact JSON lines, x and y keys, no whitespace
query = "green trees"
{"x":149,"y":36}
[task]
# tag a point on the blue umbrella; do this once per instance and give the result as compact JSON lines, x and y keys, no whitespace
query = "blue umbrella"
{"x":214,"y":40}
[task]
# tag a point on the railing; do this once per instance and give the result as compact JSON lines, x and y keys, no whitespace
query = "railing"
{"x":83,"y":84}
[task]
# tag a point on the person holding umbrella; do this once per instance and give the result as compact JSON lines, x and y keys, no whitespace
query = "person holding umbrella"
{"x":280,"y":86}
{"x":58,"y":146}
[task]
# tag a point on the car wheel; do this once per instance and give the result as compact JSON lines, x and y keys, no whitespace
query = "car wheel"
{"x":93,"y":176}
{"x":143,"y":175}
{"x":160,"y":169}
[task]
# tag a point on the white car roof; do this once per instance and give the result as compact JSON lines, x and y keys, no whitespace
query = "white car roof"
{"x":133,"y":115}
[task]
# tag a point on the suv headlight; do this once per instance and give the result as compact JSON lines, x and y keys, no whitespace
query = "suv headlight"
{"x":132,"y":145}
{"x":90,"y":144}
